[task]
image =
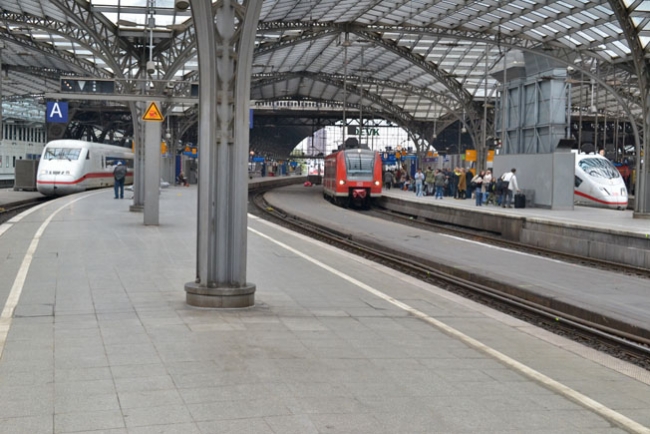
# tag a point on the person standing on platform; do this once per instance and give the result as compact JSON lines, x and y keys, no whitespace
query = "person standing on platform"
{"x":430,"y":181}
{"x":462,"y":184}
{"x":453,"y":182}
{"x":439,"y":180}
{"x":119,"y":173}
{"x":512,"y":187}
{"x":419,"y":183}
{"x":468,"y":181}
{"x":477,"y":183}
{"x":388,"y":179}
{"x":487,"y":185}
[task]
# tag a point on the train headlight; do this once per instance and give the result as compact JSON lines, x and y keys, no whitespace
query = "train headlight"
{"x":377,"y":183}
{"x":341,"y":181}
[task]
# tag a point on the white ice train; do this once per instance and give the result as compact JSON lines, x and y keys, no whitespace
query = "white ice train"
{"x":71,"y":166}
{"x":598,"y":183}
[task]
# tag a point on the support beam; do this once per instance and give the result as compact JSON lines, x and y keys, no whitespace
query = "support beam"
{"x":225,"y":49}
{"x":152,"y":135}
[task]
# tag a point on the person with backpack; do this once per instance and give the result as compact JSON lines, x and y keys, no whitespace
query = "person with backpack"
{"x":119,"y":173}
{"x":508,"y":185}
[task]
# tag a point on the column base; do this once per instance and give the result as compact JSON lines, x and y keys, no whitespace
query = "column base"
{"x":201,"y":296}
{"x":641,"y":215}
{"x":136,"y":208}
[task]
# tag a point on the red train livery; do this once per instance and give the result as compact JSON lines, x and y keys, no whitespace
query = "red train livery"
{"x":352,"y":177}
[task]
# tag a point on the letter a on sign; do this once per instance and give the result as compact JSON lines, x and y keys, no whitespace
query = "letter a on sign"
{"x":57,"y":112}
{"x":153,"y":113}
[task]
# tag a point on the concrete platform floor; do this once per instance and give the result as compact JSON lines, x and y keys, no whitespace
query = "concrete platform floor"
{"x":97,"y":338}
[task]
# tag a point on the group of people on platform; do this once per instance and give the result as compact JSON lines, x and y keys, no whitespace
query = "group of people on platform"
{"x":459,"y":183}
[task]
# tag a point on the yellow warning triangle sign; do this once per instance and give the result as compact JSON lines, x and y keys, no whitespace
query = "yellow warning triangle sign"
{"x":153,"y":113}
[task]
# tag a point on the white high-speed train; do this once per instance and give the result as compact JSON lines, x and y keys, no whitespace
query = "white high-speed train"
{"x":71,"y":166}
{"x":598,"y":183}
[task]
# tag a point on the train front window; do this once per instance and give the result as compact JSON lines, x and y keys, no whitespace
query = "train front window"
{"x":599,"y":168}
{"x":359,"y":164}
{"x":62,"y":154}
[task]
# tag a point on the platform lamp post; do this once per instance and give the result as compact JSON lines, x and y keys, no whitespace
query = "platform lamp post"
{"x":481,"y":151}
{"x":361,"y":70}
{"x":461,"y":130}
{"x":434,"y":136}
{"x":346,"y":43}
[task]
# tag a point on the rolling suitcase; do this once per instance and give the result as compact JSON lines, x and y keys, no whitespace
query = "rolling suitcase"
{"x":520,"y":200}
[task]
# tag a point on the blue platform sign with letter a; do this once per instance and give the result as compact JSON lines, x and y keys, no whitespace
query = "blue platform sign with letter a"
{"x":57,"y":112}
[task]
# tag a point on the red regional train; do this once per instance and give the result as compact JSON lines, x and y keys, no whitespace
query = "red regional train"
{"x":352,"y":177}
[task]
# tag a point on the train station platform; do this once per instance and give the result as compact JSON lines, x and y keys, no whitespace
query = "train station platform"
{"x":96,"y":337}
{"x":612,"y":299}
{"x":606,"y":234}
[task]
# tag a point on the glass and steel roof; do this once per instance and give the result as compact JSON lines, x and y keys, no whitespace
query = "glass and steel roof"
{"x":412,"y":59}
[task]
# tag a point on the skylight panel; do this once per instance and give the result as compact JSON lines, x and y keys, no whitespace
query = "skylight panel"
{"x":537,"y":32}
{"x":643,"y":6}
{"x":552,"y":10}
{"x":483,"y":20}
{"x":539,"y":14}
{"x":585,"y":35}
{"x":576,"y":20}
{"x":623,"y":47}
{"x":566,"y":5}
{"x":599,"y":32}
{"x":494,"y":17}
{"x":607,"y":11}
{"x":516,"y":6}
{"x":644,"y":41}
{"x":530,"y":20}
{"x":550,"y":29}
{"x":501,"y":12}
{"x":572,"y":41}
{"x":137,"y":3}
{"x":614,"y":27}
{"x":138,"y":19}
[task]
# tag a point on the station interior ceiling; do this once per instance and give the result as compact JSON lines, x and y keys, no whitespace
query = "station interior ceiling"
{"x":408,"y":61}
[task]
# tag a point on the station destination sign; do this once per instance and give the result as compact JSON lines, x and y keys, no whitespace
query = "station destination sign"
{"x":84,"y":85}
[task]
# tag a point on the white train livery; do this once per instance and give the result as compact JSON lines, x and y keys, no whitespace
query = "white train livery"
{"x":598,"y":183}
{"x":71,"y":166}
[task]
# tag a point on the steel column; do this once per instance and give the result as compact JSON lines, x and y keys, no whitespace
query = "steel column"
{"x":225,"y":41}
{"x":151,"y":177}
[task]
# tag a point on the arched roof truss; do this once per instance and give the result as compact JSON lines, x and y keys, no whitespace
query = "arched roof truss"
{"x":419,"y":60}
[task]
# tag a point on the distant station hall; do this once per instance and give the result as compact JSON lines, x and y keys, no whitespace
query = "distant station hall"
{"x":324,"y":216}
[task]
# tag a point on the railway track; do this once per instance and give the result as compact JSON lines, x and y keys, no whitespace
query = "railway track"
{"x":613,"y":340}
